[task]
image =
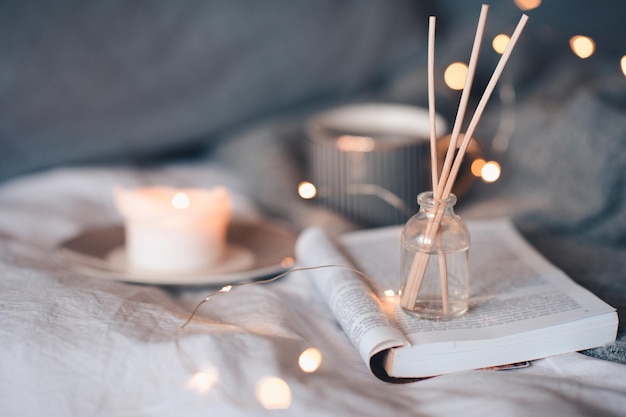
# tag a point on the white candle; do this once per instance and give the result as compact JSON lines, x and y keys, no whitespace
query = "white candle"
{"x":174,"y":230}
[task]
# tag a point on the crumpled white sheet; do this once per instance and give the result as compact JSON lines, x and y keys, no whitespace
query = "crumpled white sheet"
{"x":71,"y":345}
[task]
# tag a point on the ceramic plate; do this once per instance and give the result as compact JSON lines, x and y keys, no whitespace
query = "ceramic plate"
{"x":255,"y":250}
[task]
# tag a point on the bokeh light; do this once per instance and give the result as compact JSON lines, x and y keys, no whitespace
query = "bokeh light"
{"x":350,"y":143}
{"x":287,"y":262}
{"x":477,"y":167}
{"x":307,"y":190}
{"x":273,"y":393}
{"x":180,"y":201}
{"x":582,"y":46}
{"x":623,"y":64}
{"x":490,"y":172}
{"x":527,"y":4}
{"x":310,"y":360}
{"x":204,"y":380}
{"x":389,"y":293}
{"x":455,"y":75}
{"x":500,"y":42}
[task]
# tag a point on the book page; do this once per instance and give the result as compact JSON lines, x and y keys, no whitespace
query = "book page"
{"x":348,"y":294}
{"x":521,"y":306}
{"x":513,"y":289}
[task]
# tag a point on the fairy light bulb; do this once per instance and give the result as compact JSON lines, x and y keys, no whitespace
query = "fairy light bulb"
{"x":527,"y":4}
{"x":490,"y":172}
{"x":582,"y":46}
{"x":287,"y":262}
{"x":273,"y":393}
{"x":307,"y":190}
{"x":204,"y":380}
{"x":500,"y":42}
{"x":310,"y":360}
{"x":477,"y":167}
{"x":454,"y":76}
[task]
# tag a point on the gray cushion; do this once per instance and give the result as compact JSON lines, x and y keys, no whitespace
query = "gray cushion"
{"x":106,"y":80}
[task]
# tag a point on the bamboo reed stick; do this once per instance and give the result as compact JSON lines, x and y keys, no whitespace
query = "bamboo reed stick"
{"x":491,"y":85}
{"x":450,"y":170}
{"x":443,"y":265}
{"x":465,"y":95}
{"x":418,"y":267}
{"x":431,"y":101}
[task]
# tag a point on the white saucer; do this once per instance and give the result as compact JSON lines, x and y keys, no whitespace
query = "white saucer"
{"x":255,"y":250}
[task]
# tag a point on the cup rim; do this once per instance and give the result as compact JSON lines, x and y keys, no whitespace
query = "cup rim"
{"x":410,"y":123}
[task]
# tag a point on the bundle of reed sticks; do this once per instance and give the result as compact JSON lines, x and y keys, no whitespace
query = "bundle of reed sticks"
{"x":442,"y":183}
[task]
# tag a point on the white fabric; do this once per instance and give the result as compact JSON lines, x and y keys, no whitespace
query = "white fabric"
{"x":71,"y":345}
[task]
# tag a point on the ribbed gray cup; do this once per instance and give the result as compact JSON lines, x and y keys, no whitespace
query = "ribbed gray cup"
{"x":370,"y":161}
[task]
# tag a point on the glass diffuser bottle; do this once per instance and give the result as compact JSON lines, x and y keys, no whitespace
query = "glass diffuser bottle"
{"x":435,"y":269}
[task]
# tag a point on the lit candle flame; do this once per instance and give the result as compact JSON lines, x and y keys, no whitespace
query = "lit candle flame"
{"x":455,"y":75}
{"x":180,"y":201}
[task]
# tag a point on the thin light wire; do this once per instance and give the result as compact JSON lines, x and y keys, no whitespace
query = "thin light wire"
{"x":186,"y":360}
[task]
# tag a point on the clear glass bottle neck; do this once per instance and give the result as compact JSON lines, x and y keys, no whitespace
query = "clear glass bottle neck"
{"x":428,"y":203}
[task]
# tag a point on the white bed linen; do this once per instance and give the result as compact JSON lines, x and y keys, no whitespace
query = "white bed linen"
{"x":71,"y":345}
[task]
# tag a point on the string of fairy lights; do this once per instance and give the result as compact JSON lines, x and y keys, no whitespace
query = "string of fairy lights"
{"x":581,"y":45}
{"x":273,"y":392}
{"x":454,"y":76}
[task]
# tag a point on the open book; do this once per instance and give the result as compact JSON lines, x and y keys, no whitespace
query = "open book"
{"x":521,"y":306}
